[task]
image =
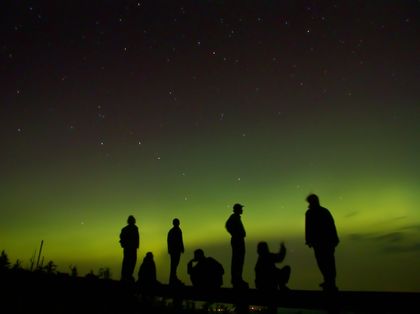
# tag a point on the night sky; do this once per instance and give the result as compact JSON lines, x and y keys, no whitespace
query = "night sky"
{"x":165,"y":109}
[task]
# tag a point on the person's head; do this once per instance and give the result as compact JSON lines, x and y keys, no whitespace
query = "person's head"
{"x":149,"y":256}
{"x":175,"y":222}
{"x":262,"y":248}
{"x":313,"y":200}
{"x":199,"y":255}
{"x":131,"y":220}
{"x":237,"y":208}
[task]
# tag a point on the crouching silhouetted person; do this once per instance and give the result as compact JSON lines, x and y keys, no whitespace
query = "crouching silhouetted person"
{"x":147,"y":281}
{"x":205,"y":272}
{"x":267,"y":276}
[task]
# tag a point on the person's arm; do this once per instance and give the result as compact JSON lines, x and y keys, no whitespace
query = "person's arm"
{"x":121,"y":239}
{"x":182,"y":242}
{"x":168,"y":241}
{"x":281,"y":254}
{"x":334,"y":235}
{"x":190,"y":267}
{"x":308,"y":230}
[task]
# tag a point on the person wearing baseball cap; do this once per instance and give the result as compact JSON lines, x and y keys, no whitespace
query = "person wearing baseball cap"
{"x":237,"y":231}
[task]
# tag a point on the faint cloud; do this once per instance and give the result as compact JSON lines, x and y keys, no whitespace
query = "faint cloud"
{"x":411,"y":227}
{"x":402,"y":248}
{"x":392,"y":242}
{"x":352,"y":214}
{"x":390,"y":237}
{"x":361,"y":236}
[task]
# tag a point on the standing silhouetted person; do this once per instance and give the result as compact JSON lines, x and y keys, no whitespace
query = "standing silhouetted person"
{"x":237,"y":231}
{"x":321,"y":234}
{"x":267,"y":276}
{"x":129,"y":240}
{"x":205,"y":272}
{"x":175,"y":249}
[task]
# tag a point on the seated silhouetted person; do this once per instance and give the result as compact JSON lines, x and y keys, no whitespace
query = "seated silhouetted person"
{"x":205,"y":272}
{"x":267,"y":275}
{"x":147,"y":274}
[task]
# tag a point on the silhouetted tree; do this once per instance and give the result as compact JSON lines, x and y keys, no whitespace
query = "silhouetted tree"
{"x":73,"y":271}
{"x":4,"y":260}
{"x":50,"y":268}
{"x":91,"y":275}
{"x":17,"y":265}
{"x":104,"y":273}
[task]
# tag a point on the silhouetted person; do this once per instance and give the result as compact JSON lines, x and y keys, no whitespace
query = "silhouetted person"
{"x":205,"y":272}
{"x":147,"y":274}
{"x":267,"y":276}
{"x":321,"y":234}
{"x":237,"y":231}
{"x":175,"y":249}
{"x":129,"y":240}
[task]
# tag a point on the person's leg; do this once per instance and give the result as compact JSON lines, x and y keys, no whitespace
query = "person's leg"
{"x":131,"y":264}
{"x":128,"y":264}
{"x":233,"y":264}
{"x":124,"y":267}
{"x":175,"y":258}
{"x":326,"y":264}
{"x":330,"y":270}
{"x":238,"y":259}
{"x":283,"y":275}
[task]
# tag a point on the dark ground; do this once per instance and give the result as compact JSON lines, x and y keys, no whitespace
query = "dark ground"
{"x":23,"y":291}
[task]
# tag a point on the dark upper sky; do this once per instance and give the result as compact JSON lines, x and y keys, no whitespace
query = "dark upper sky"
{"x":110,"y":106}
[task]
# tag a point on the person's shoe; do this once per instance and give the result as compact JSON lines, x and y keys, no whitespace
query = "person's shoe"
{"x":176,"y":283}
{"x":328,"y":287}
{"x":241,"y":284}
{"x":284,"y":288}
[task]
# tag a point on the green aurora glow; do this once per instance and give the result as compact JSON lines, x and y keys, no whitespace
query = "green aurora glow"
{"x":83,"y":147}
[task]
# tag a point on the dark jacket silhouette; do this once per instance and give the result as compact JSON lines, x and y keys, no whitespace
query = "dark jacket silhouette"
{"x":175,"y":249}
{"x":267,"y":275}
{"x":130,"y":241}
{"x":237,"y":231}
{"x":205,"y":272}
{"x":321,"y":235}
